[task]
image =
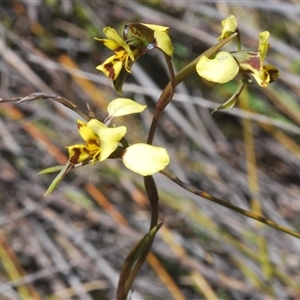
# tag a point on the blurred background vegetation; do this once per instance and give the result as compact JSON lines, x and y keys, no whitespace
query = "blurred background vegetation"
{"x":71,"y":244}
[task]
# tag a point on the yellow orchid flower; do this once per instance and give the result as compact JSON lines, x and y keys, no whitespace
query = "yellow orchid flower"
{"x":100,"y":141}
{"x":138,"y":40}
{"x":124,"y":56}
{"x":145,"y":159}
{"x":229,"y":27}
{"x":222,"y":68}
{"x":225,"y":66}
{"x":150,"y":36}
{"x":252,"y":63}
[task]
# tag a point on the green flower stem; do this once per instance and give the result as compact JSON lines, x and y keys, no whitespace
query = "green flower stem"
{"x":139,"y":263}
{"x":139,"y":253}
{"x":168,"y":60}
{"x":239,"y":44}
{"x":224,"y":203}
{"x":168,"y":92}
{"x":232,"y":100}
{"x":152,"y":194}
{"x":134,"y":262}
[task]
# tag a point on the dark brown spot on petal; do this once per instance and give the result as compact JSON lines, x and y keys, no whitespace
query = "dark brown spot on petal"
{"x":274,"y":73}
{"x":109,"y":67}
{"x":75,"y":156}
{"x":74,"y":159}
{"x":119,"y":49}
{"x":93,"y":142}
{"x":254,"y":61}
{"x":79,"y":125}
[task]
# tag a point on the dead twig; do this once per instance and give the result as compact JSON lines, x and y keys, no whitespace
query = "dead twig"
{"x":37,"y":96}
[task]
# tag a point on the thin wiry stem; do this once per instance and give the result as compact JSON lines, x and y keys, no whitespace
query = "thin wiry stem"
{"x":224,"y":203}
{"x":37,"y":96}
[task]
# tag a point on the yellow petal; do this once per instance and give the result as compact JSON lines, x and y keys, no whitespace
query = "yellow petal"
{"x":273,"y":72}
{"x":248,"y":60}
{"x":123,"y":106}
{"x":111,"y":67}
{"x":229,"y":27}
{"x":113,"y":35}
{"x":85,"y":131}
{"x":262,"y":77}
{"x":221,"y":69}
{"x":164,"y":42}
{"x":78,"y":153}
{"x":110,"y":44}
{"x":110,"y":138}
{"x":145,"y":159}
{"x":263,"y":45}
{"x":95,"y":125}
{"x":155,"y":27}
{"x":156,"y":35}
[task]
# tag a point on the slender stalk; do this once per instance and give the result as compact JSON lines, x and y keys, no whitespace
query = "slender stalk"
{"x":134,"y":261}
{"x":224,"y":203}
